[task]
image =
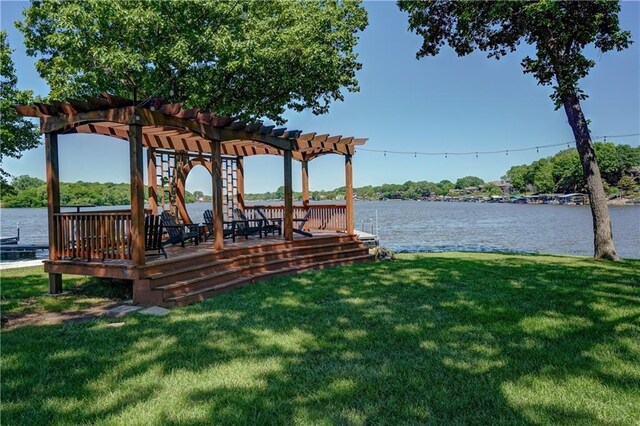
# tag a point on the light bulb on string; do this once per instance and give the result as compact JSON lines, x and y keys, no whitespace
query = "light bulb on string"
{"x":476,"y":155}
{"x":537,"y":150}
{"x":507,"y":152}
{"x":385,"y":153}
{"x":415,"y":155}
{"x":445,"y":155}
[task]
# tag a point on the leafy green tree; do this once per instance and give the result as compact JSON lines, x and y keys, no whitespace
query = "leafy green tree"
{"x":444,"y":187}
{"x":249,"y":59}
{"x":491,"y":189}
{"x":626,"y":184}
{"x":20,"y":183}
{"x":516,"y":176}
{"x":559,"y":31}
{"x":541,"y":175}
{"x":468,"y":181}
{"x":567,"y":171}
{"x":16,"y":133}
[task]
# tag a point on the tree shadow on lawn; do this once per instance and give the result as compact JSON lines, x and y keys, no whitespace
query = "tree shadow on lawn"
{"x":439,"y":339}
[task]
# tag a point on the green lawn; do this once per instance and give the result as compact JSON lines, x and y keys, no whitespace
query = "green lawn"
{"x":25,"y":291}
{"x":440,"y":338}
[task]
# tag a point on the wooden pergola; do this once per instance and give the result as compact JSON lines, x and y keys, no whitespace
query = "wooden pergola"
{"x":196,"y":137}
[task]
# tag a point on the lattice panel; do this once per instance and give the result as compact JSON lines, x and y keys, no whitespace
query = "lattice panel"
{"x":229,"y":186}
{"x":169,"y":165}
{"x":168,"y":172}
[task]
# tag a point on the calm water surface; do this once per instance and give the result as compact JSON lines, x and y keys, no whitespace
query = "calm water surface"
{"x":432,"y":226}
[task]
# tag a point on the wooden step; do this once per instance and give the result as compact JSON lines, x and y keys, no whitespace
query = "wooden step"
{"x":200,"y":255}
{"x":211,"y":266}
{"x":205,"y":292}
{"x":205,"y":281}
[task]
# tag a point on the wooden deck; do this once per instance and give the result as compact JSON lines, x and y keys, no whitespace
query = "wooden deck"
{"x":193,"y":273}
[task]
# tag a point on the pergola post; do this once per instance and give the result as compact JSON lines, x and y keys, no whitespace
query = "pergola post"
{"x":305,"y":183}
{"x":288,"y":197}
{"x":240,"y":182}
{"x":152,"y":181}
{"x":53,"y":203}
{"x":216,"y":197}
{"x":137,"y":194}
{"x":348,"y":196}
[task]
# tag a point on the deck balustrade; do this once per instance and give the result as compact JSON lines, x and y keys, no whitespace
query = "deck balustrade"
{"x":93,"y":235}
{"x":331,"y":217}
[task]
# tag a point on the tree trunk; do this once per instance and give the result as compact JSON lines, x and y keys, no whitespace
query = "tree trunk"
{"x":603,"y":234}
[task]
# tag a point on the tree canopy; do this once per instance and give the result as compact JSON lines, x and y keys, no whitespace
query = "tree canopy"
{"x":32,"y":192}
{"x":250,"y":59}
{"x":16,"y":133}
{"x":562,"y":173}
{"x":468,"y":181}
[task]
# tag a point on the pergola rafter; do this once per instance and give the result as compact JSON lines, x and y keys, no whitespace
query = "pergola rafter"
{"x":189,"y":133}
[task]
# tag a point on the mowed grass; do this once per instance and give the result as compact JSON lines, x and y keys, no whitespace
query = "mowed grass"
{"x":24,"y":291}
{"x":453,"y":338}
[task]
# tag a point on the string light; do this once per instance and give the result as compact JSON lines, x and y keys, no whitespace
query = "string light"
{"x":478,"y":153}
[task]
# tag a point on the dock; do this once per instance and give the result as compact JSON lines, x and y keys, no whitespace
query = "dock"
{"x":369,"y":240}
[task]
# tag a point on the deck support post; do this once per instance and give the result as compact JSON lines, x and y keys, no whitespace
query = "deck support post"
{"x":240,"y":182}
{"x":288,"y":197}
{"x":216,"y":188}
{"x":348,"y":196}
{"x":152,"y":181}
{"x":305,"y":183}
{"x":53,"y":203}
{"x":137,"y":193}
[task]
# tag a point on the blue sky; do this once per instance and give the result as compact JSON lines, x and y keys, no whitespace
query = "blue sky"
{"x":444,"y":103}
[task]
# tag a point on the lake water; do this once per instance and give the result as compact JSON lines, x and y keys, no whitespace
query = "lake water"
{"x":437,"y":226}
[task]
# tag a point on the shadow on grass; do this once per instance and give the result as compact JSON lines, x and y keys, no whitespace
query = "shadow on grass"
{"x":446,"y":338}
{"x":25,"y":291}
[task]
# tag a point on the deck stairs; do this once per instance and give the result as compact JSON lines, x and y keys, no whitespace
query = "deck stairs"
{"x":182,"y":281}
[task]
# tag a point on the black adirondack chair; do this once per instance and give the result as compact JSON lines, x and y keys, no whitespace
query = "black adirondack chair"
{"x":179,"y":233}
{"x":208,"y":221}
{"x":153,"y":235}
{"x":269,"y":225}
{"x":299,"y":224}
{"x":245,"y":227}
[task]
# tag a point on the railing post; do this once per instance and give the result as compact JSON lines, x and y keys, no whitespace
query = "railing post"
{"x":137,"y":193}
{"x":53,"y":204}
{"x":348,"y":196}
{"x":305,"y":183}
{"x":288,"y":197}
{"x":216,"y":181}
{"x":152,"y":180}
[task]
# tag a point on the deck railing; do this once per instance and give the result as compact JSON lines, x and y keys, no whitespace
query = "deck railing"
{"x":323,"y":216}
{"x":93,"y":235}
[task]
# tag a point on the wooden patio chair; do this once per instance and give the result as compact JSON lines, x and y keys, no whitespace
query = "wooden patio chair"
{"x":208,"y":221}
{"x":245,"y":227}
{"x":299,"y":229}
{"x":153,"y":235}
{"x":269,"y":225}
{"x":179,"y":233}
